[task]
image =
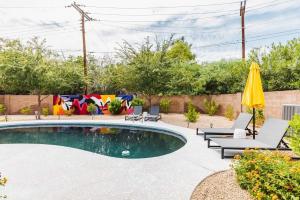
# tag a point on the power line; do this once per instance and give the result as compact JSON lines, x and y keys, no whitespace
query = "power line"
{"x":105,"y":44}
{"x":192,"y":13}
{"x":255,"y":38}
{"x":281,"y":32}
{"x":78,"y":50}
{"x":29,"y":7}
{"x":163,"y":21}
{"x":52,"y":24}
{"x":199,"y":18}
{"x":38,"y":33}
{"x":164,"y":7}
{"x":268,"y":5}
{"x":102,"y":52}
{"x":35,"y":29}
{"x":162,"y":30}
{"x":158,"y":14}
{"x":145,"y":31}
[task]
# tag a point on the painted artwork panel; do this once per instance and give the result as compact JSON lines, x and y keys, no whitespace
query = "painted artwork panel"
{"x":77,"y":104}
{"x":126,"y":103}
{"x":105,"y":101}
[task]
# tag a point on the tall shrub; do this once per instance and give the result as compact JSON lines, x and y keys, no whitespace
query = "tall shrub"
{"x":2,"y":109}
{"x":115,"y":106}
{"x":92,"y":108}
{"x":259,"y":115}
{"x":164,"y":105}
{"x":137,"y":102}
{"x":45,"y":111}
{"x":229,"y":112}
{"x":26,"y":110}
{"x":295,"y":136}
{"x":192,"y":115}
{"x":211,"y":107}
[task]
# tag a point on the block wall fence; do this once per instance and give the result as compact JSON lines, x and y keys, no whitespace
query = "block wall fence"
{"x":274,"y":102}
{"x":14,"y":103}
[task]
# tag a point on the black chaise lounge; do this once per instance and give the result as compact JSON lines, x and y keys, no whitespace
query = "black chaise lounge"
{"x":153,"y":114}
{"x":136,"y":115}
{"x":241,"y":122}
{"x":270,"y":137}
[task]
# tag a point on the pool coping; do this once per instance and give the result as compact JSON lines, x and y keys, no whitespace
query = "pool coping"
{"x":88,"y":123}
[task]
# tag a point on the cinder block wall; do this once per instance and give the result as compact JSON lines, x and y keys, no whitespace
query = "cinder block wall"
{"x":274,"y":102}
{"x":14,"y":103}
{"x":228,"y":99}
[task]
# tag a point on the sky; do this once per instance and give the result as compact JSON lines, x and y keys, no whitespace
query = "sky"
{"x":212,"y":27}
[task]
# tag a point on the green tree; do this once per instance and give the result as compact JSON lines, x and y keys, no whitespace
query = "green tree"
{"x":223,"y":77}
{"x":180,"y":51}
{"x":65,"y":77}
{"x":185,"y":79}
{"x":148,"y":68}
{"x":32,"y":69}
{"x":280,"y":65}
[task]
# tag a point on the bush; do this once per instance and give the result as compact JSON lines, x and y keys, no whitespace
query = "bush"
{"x":259,"y":116}
{"x":192,"y":115}
{"x":268,"y":175}
{"x":26,"y":110}
{"x":92,"y":108}
{"x":137,"y":102}
{"x":115,"y":106}
{"x":210,"y":107}
{"x":229,"y":112}
{"x":2,"y":109}
{"x":295,"y":135}
{"x":45,"y":111}
{"x":164,"y":105}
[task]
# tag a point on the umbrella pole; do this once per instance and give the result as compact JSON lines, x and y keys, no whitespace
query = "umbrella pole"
{"x":253,"y":123}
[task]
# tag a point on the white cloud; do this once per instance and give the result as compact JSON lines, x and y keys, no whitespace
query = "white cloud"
{"x":60,"y":26}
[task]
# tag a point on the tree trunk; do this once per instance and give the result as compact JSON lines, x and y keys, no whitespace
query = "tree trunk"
{"x":150,"y":100}
{"x":39,"y":106}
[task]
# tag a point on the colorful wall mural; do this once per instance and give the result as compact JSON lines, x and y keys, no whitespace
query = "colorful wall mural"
{"x":62,"y":104}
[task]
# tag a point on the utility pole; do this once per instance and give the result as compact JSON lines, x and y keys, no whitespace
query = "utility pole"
{"x":242,"y":14}
{"x":84,"y":17}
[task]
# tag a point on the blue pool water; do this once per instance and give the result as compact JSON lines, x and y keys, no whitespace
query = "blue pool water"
{"x":111,"y":141}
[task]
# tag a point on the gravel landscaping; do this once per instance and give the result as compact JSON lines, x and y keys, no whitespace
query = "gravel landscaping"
{"x":220,"y":185}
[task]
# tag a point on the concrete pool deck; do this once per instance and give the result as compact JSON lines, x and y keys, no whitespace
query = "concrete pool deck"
{"x":51,"y":172}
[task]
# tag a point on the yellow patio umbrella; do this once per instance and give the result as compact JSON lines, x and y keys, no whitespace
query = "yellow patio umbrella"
{"x":253,"y":96}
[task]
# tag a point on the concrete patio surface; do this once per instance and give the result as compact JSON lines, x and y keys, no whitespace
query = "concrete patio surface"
{"x":51,"y":172}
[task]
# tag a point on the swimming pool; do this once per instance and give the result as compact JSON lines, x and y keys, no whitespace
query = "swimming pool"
{"x":114,"y":141}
